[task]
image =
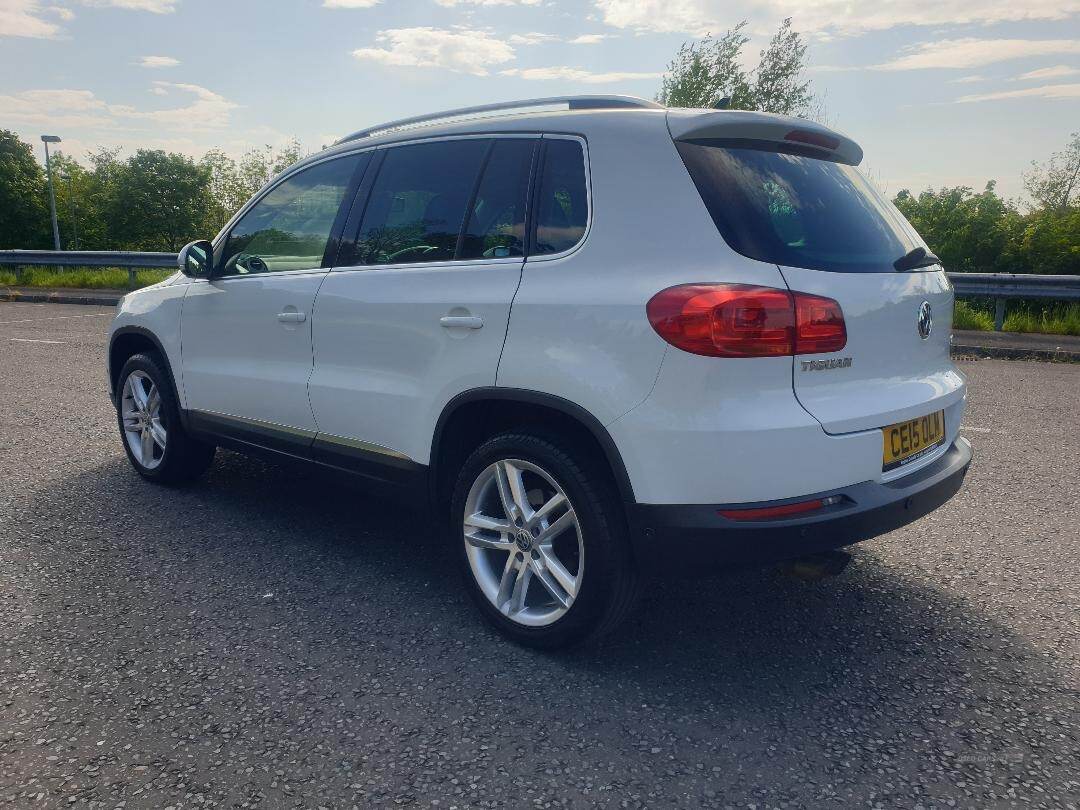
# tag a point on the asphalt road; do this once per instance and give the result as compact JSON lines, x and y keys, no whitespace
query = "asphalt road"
{"x":268,"y":639}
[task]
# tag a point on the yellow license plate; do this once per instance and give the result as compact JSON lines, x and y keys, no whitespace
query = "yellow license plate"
{"x":909,"y":441}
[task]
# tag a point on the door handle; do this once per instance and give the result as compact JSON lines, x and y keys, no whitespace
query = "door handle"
{"x":291,"y":316}
{"x":461,"y":321}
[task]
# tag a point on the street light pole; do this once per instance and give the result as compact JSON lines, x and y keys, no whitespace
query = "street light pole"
{"x":47,"y":139}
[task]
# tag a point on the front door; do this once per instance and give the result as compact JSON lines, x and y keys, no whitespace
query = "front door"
{"x":246,"y":331}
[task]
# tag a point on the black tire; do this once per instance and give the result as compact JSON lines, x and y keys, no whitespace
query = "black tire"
{"x":609,"y":580}
{"x":184,"y":458}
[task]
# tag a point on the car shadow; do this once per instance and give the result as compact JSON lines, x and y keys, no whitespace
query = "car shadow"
{"x":282,"y":576}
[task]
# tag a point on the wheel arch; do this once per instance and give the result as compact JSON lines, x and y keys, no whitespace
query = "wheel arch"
{"x":128,"y":341}
{"x":481,"y":412}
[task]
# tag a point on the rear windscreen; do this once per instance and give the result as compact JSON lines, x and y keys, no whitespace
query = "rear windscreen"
{"x":796,"y":210}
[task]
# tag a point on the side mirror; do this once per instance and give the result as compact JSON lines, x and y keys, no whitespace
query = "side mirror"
{"x":195,"y":259}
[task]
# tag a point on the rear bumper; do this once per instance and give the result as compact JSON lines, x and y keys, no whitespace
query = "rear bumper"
{"x":692,"y":537}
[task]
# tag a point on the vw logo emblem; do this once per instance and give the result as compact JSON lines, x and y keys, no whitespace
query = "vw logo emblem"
{"x":926,"y":320}
{"x":524,"y":541}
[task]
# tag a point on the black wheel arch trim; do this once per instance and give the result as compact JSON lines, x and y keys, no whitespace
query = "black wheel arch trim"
{"x":146,"y":333}
{"x":529,"y":397}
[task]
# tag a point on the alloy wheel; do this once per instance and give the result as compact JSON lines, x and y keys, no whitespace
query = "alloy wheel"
{"x":140,"y":413}
{"x":523,"y":542}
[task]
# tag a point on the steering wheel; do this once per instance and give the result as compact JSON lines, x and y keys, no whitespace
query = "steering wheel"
{"x":255,"y":265}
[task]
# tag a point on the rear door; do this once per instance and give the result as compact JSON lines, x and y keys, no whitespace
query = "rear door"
{"x":832,"y":234}
{"x":416,"y":310}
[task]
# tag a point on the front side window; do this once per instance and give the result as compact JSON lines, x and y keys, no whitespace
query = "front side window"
{"x":288,"y":229}
{"x":797,"y":210}
{"x":563,"y":209}
{"x":417,"y":204}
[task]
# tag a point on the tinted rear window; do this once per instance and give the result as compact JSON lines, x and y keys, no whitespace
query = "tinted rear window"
{"x":418,"y":202}
{"x":796,"y":210}
{"x":563,"y":202}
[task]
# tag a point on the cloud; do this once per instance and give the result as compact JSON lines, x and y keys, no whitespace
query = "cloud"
{"x":971,"y":52}
{"x":589,"y":39}
{"x":1048,"y":73}
{"x":350,"y":3}
{"x":569,"y":74}
{"x":158,"y":62}
{"x":531,"y":38}
{"x":153,"y":6}
{"x":29,"y":18}
{"x":968,"y":79}
{"x":1050,"y":91}
{"x":57,"y":109}
{"x":22,"y":18}
{"x":462,"y":50}
{"x":452,"y":3}
{"x":208,"y":110}
{"x":827,"y":16}
{"x":81,"y":109}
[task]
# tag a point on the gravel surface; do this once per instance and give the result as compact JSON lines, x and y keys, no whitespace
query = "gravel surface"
{"x":268,"y":638}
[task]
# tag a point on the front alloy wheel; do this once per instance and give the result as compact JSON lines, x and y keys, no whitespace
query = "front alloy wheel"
{"x":141,"y":416}
{"x":150,"y":426}
{"x":524,"y":542}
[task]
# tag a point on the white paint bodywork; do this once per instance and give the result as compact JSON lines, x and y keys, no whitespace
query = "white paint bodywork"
{"x":372,"y":363}
{"x":239,"y":359}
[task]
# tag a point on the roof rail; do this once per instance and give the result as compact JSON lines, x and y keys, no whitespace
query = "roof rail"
{"x":573,"y":102}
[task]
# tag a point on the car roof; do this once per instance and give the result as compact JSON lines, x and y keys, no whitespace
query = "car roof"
{"x":579,"y":115}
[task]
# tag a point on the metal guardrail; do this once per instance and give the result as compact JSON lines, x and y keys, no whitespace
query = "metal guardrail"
{"x":1003,"y":286}
{"x":999,"y":286}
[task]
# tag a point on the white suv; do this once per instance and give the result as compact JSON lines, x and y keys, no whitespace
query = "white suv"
{"x":603,"y":338}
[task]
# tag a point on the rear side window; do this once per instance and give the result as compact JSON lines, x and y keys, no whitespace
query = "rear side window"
{"x":418,"y":201}
{"x":496,"y":226}
{"x":563,"y":202}
{"x":796,"y":210}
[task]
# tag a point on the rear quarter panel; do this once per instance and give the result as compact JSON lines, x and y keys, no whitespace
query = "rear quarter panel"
{"x":578,"y":327}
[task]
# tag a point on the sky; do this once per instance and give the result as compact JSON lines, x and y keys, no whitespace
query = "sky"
{"x":937,"y":92}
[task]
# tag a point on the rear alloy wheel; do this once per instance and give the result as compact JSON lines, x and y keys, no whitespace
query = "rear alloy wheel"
{"x":543,"y":543}
{"x":523,"y":542}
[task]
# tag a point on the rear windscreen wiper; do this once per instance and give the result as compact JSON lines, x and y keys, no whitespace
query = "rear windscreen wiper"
{"x":918,"y":257}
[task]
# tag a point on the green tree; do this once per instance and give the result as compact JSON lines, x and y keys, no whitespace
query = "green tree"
{"x":226,"y":189}
{"x":969,"y":231}
{"x":704,"y":72}
{"x":156,"y":200}
{"x":1050,"y":242}
{"x":24,"y":213}
{"x":778,"y":86}
{"x":1055,"y":184}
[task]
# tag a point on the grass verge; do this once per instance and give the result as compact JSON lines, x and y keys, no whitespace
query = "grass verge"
{"x":103,"y":278}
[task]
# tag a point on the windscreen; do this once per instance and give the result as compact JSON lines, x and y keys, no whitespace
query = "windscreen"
{"x":789,"y":208}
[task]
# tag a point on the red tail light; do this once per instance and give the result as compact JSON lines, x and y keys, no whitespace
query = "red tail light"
{"x":819,"y":325}
{"x":738,"y":320}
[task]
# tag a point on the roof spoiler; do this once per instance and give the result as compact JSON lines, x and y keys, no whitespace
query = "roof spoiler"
{"x":686,"y":125}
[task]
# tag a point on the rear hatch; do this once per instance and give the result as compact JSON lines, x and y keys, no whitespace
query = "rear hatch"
{"x":788,"y":194}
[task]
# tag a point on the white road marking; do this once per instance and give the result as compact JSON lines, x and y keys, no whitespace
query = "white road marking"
{"x":60,"y":318}
{"x":34,"y":340}
{"x":976,"y":429}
